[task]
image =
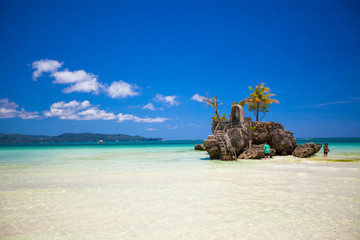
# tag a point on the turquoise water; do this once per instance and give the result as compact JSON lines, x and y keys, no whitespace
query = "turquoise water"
{"x":341,"y":149}
{"x":166,"y":190}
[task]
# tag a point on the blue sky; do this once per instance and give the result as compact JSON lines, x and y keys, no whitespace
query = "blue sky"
{"x":133,"y":67}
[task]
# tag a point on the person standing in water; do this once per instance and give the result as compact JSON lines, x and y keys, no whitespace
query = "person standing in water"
{"x":326,"y":149}
{"x":267,"y":150}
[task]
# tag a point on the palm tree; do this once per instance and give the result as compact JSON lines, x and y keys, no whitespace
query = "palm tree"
{"x":260,"y":96}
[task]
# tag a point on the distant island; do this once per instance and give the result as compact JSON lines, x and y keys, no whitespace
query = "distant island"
{"x":72,"y":137}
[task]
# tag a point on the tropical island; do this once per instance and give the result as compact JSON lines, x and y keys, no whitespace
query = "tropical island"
{"x":72,"y":137}
{"x":238,"y":137}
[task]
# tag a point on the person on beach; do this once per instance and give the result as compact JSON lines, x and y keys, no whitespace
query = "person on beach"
{"x":326,"y":149}
{"x":267,"y":150}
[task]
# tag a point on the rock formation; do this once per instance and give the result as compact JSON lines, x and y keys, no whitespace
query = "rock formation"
{"x":212,"y":147}
{"x":230,"y":137}
{"x":256,"y":152}
{"x":200,"y":147}
{"x":306,"y":150}
{"x":239,"y":139}
{"x":279,"y":139}
{"x":244,"y":139}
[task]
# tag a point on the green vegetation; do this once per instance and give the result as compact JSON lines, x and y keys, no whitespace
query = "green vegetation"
{"x":259,"y":100}
{"x":72,"y":137}
{"x":222,"y":118}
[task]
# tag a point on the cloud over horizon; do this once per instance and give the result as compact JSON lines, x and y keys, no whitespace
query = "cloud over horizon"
{"x":9,"y":110}
{"x":77,"y":110}
{"x":130,"y":117}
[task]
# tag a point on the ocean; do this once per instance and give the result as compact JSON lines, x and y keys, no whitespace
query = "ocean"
{"x":167,"y":190}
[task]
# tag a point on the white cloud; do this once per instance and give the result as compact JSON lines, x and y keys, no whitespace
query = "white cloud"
{"x":121,"y":89}
{"x":197,"y":97}
{"x":171,"y":100}
{"x":171,"y":128}
{"x":9,"y":110}
{"x":149,"y":106}
{"x":354,"y":100}
{"x":73,"y":110}
{"x":151,"y":129}
{"x":125,"y":117}
{"x":80,"y":81}
{"x":95,"y":114}
{"x":27,"y":115}
{"x":67,"y":77}
{"x":45,"y":66}
{"x":77,"y":110}
{"x":151,"y":120}
{"x":130,"y":117}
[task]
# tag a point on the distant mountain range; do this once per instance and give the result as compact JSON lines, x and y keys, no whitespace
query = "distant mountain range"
{"x":72,"y":137}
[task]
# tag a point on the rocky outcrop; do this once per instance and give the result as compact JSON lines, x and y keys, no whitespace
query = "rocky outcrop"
{"x":306,"y":150}
{"x":233,"y":137}
{"x":200,"y":147}
{"x":239,"y":139}
{"x":212,"y":147}
{"x":281,"y":140}
{"x":262,"y":133}
{"x":237,"y":135}
{"x":256,"y":152}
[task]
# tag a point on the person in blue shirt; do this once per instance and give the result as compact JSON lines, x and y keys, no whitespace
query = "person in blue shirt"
{"x":267,"y":150}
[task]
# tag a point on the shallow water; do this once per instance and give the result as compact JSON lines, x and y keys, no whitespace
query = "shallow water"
{"x":170,"y":191}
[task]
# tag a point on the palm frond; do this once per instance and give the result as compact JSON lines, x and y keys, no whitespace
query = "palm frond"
{"x":260,"y":98}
